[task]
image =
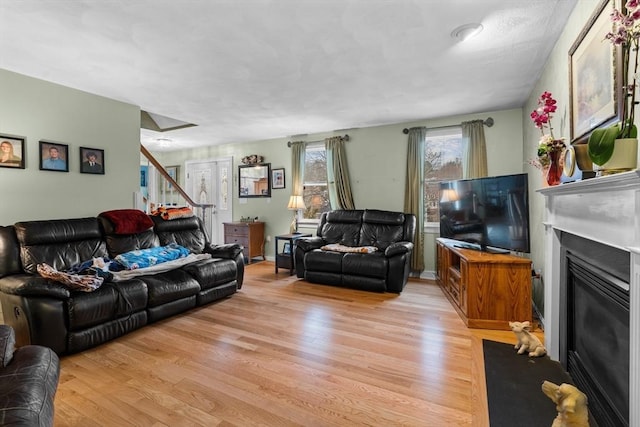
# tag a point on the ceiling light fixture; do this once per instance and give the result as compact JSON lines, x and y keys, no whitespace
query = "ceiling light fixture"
{"x":164,"y":142}
{"x":467,"y":31}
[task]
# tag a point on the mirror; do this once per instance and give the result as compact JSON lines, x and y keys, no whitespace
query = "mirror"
{"x":255,"y":180}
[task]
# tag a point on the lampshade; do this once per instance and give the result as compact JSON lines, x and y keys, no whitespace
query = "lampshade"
{"x":449,"y":195}
{"x":295,"y":203}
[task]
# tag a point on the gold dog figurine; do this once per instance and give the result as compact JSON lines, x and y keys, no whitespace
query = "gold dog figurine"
{"x":571,"y":405}
{"x":526,"y":340}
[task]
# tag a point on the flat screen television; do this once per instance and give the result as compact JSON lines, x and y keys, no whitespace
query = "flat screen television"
{"x":490,"y":214}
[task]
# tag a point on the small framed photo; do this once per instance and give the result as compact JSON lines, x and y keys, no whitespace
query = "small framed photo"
{"x":11,"y":152}
{"x":287,"y":248}
{"x":54,"y":156}
{"x":277,"y":178}
{"x":173,"y":173}
{"x":91,"y":160}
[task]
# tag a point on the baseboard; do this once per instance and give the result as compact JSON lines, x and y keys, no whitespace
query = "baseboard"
{"x":428,"y":275}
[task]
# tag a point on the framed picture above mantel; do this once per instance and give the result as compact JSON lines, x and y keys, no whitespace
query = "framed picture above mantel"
{"x":594,"y":80}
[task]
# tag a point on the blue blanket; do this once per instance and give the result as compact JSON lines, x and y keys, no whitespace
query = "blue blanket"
{"x":147,"y":257}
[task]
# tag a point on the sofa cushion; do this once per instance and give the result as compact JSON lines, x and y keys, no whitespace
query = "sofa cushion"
{"x":170,"y":286}
{"x":319,"y":260}
{"x":185,"y":232}
{"x":110,"y":301}
{"x":59,"y":243}
{"x":367,"y":265}
{"x":342,"y":227}
{"x":212,"y":272}
{"x":118,"y":244}
{"x":381,"y":228}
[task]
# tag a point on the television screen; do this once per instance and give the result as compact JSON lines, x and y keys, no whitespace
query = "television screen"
{"x":491,"y":213}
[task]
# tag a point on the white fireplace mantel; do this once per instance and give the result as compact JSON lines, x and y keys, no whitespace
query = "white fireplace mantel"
{"x":606,"y":210}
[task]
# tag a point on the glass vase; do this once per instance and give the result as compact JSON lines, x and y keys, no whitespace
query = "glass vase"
{"x":555,"y":169}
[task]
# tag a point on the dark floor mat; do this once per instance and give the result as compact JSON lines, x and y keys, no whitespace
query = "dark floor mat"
{"x":514,"y":386}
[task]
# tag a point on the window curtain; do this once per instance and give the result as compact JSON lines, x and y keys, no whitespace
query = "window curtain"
{"x":297,"y":167}
{"x":475,"y":161}
{"x":339,"y":186}
{"x":414,"y":193}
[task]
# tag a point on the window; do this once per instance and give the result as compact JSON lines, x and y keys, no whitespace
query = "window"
{"x":316,"y":193}
{"x":443,"y":151}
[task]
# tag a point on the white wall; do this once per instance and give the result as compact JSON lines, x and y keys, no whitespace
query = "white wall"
{"x":37,"y":110}
{"x":377,"y":164}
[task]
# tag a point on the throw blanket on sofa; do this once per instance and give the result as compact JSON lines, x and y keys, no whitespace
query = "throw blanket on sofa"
{"x":147,"y":257}
{"x":128,"y":221}
{"x":337,"y":247}
{"x":172,"y":213}
{"x":119,"y":276}
{"x":75,"y":282}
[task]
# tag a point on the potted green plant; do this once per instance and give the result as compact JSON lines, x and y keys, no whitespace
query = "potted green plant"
{"x":602,"y":142}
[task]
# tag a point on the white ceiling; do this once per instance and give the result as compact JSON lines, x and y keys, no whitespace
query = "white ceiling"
{"x":246,"y":70}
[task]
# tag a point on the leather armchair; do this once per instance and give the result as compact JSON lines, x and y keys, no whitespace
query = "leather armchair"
{"x":28,"y":382}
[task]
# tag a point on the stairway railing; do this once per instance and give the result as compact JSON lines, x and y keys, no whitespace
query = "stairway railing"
{"x":163,"y":172}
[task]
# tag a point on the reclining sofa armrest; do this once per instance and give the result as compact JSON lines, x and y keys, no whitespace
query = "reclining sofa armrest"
{"x":300,"y":247}
{"x":227,"y":251}
{"x":309,"y":243}
{"x":27,"y":285}
{"x":398,"y":248}
{"x":232,"y":251}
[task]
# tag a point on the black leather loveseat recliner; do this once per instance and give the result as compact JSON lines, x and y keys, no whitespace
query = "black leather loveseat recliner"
{"x":384,"y":270}
{"x":28,"y":382}
{"x":48,"y":313}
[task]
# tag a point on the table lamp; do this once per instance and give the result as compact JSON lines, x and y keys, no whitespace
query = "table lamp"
{"x":295,"y":204}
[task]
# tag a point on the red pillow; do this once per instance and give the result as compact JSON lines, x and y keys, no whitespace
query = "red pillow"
{"x":128,"y":221}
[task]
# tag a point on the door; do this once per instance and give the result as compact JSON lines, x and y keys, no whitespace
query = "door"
{"x":210,"y":182}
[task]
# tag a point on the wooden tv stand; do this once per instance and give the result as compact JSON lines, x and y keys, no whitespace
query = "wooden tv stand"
{"x":487,"y":290}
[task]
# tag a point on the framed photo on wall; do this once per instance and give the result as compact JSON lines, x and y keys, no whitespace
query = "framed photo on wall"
{"x":277,"y":178}
{"x":54,"y":156}
{"x":91,"y":160}
{"x":173,"y":173}
{"x":594,"y":82}
{"x":12,"y":152}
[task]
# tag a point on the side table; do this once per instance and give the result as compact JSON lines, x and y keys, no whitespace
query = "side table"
{"x":284,"y":258}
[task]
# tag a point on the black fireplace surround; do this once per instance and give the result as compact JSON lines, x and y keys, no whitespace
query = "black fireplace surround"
{"x":594,"y":326}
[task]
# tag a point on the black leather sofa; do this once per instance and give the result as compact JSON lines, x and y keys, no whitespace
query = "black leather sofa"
{"x":28,"y":382}
{"x":48,"y":313}
{"x":385,"y":270}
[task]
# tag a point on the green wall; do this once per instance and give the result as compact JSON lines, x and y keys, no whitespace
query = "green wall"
{"x":377,"y":163}
{"x":555,"y":79}
{"x":38,"y":110}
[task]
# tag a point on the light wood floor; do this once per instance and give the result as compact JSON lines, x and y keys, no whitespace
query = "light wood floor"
{"x":283,"y":352}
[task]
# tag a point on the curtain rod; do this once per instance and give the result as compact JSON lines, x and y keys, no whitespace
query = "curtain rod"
{"x":488,"y":123}
{"x":346,"y":138}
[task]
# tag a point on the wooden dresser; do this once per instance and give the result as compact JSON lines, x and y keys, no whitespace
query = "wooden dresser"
{"x":487,"y":290}
{"x":248,"y":234}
